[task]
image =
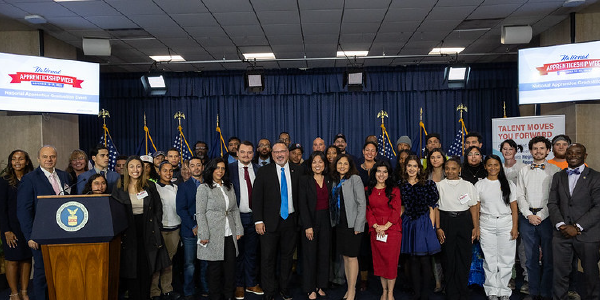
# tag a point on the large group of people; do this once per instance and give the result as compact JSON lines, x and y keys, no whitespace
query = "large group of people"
{"x":239,"y":220}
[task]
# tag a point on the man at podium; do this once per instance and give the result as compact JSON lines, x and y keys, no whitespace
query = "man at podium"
{"x":45,"y":180}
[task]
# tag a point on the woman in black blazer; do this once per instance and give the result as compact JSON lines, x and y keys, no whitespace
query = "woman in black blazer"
{"x":314,"y":215}
{"x":142,"y":245}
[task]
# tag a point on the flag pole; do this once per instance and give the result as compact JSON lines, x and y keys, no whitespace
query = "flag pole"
{"x":462,"y":108}
{"x":104,"y":114}
{"x":504,"y":107}
{"x":221,"y":140}
{"x":179,"y":115}
{"x":383,"y":114}
{"x":145,"y":134}
{"x":421,"y":127}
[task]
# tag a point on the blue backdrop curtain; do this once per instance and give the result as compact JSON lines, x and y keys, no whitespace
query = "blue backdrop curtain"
{"x":306,"y":104}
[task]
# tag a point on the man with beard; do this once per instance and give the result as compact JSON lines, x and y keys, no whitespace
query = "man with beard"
{"x":201,"y":151}
{"x":264,"y":153}
{"x":533,"y":188}
{"x":185,"y":203}
{"x":242,"y":174}
{"x":232,"y":148}
{"x":560,"y":143}
{"x":274,"y":208}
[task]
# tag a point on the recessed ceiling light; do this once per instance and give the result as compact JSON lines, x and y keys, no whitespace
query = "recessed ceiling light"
{"x":352,"y":53}
{"x":259,"y":56}
{"x":448,"y":50}
{"x":167,"y":58}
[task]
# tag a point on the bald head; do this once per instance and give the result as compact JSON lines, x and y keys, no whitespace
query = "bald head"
{"x":576,"y":155}
{"x":47,"y":157}
{"x":318,"y":145}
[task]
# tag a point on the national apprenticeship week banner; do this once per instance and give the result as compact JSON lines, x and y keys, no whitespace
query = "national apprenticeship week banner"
{"x":523,"y":129}
{"x":40,"y":84}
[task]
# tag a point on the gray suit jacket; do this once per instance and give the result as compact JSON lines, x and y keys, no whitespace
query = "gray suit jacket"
{"x":583,"y":207}
{"x":210,"y":215}
{"x":355,"y":202}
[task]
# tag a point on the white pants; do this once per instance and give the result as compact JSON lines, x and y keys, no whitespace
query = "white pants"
{"x":499,"y":251}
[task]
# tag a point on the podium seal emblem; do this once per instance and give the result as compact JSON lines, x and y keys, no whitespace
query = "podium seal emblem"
{"x":72,"y":216}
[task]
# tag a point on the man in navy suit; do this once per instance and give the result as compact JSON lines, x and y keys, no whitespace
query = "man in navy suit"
{"x":574,"y":206}
{"x":99,"y":155}
{"x":45,"y":180}
{"x":185,"y":203}
{"x":242,"y":174}
{"x":274,"y":208}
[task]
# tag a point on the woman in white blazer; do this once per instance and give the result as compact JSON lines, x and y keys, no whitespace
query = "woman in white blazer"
{"x":219,"y":228}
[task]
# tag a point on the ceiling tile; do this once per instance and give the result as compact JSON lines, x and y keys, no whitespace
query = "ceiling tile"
{"x":227,"y":6}
{"x":236,"y":18}
{"x":320,"y":28}
{"x":46,"y":9}
{"x":136,"y":7}
{"x":91,"y":8}
{"x":112,"y":22}
{"x":364,"y":15}
{"x":320,"y":16}
{"x":193,"y":20}
{"x":320,"y":4}
{"x":278,"y":17}
{"x":181,"y":7}
{"x":160,"y":20}
{"x":274,"y":5}
{"x":494,"y":11}
{"x":72,"y":23}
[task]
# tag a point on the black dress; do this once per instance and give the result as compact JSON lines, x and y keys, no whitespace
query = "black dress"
{"x":347,"y":243}
{"x":9,"y":222}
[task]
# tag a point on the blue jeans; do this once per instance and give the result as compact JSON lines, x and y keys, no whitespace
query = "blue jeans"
{"x":189,"y":267}
{"x":534,"y":237}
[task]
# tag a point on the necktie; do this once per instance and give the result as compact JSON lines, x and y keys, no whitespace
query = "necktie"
{"x":263,"y":163}
{"x":55,"y":184}
{"x":103,"y":173}
{"x":284,"y":196}
{"x":573,"y":172}
{"x":540,"y":166}
{"x":248,"y":185}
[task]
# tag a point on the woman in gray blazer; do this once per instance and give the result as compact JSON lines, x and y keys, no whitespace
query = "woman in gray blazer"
{"x":219,"y":228}
{"x":347,"y":207}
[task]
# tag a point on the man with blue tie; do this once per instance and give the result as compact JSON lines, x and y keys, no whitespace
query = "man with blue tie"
{"x":242,"y":174}
{"x":274,"y":210}
{"x":99,"y":155}
{"x":43,"y":181}
{"x":574,"y":206}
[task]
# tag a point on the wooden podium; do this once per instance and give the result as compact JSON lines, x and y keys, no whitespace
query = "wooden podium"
{"x":80,"y":244}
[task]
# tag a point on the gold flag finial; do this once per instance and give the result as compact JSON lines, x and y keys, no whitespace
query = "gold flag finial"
{"x":382,"y":114}
{"x":504,"y":107}
{"x":420,"y":114}
{"x":179,"y":115}
{"x":461,"y":108}
{"x":103,"y":114}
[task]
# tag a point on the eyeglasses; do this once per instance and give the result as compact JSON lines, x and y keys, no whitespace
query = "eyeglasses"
{"x":263,"y":145}
{"x":200,"y":148}
{"x":280,"y":151}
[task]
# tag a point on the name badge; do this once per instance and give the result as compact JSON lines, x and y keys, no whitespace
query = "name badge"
{"x":142,"y":195}
{"x":464,"y":198}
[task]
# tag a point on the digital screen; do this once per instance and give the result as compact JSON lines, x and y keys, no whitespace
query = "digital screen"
{"x":561,"y":73}
{"x":40,"y":84}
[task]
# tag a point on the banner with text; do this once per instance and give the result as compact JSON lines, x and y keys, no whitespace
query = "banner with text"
{"x":523,"y":129}
{"x":41,"y":84}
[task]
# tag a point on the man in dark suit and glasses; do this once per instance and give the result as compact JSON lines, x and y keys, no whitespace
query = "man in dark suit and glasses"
{"x":275,"y":213}
{"x":243,"y":174}
{"x":574,"y":206}
{"x":44,"y":180}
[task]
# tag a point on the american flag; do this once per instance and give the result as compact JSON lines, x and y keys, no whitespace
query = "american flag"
{"x":457,"y":145}
{"x":182,"y":146}
{"x":385,"y":149}
{"x":112,"y":152}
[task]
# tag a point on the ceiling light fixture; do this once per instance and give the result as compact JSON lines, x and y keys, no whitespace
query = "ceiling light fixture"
{"x":446,"y":50}
{"x":35,"y":19}
{"x":352,"y":53}
{"x":573,"y":3}
{"x":259,"y":56}
{"x":167,"y":58}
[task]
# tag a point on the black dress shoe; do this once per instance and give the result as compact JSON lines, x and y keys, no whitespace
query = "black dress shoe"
{"x":171,"y":296}
{"x":269,"y":297}
{"x":285,"y":295}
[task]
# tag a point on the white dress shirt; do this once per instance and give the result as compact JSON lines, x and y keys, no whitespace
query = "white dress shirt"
{"x":533,"y":189}
{"x":244,"y":201}
{"x":227,"y":227}
{"x":53,"y":173}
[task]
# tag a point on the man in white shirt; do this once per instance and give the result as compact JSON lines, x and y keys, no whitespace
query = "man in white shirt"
{"x":242,"y":174}
{"x":45,"y":180}
{"x":533,"y":188}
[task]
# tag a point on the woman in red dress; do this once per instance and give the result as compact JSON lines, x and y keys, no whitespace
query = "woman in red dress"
{"x":383,"y":215}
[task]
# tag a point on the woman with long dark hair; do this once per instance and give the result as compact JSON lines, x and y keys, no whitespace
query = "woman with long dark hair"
{"x":142,"y":246}
{"x":435,"y":165}
{"x":419,"y":197}
{"x":219,"y":228}
{"x":96,"y":184}
{"x":314,"y":214}
{"x":498,"y":221}
{"x":385,"y":226}
{"x":17,"y":254}
{"x":347,"y":208}
{"x":472,"y":169}
{"x":509,"y":149}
